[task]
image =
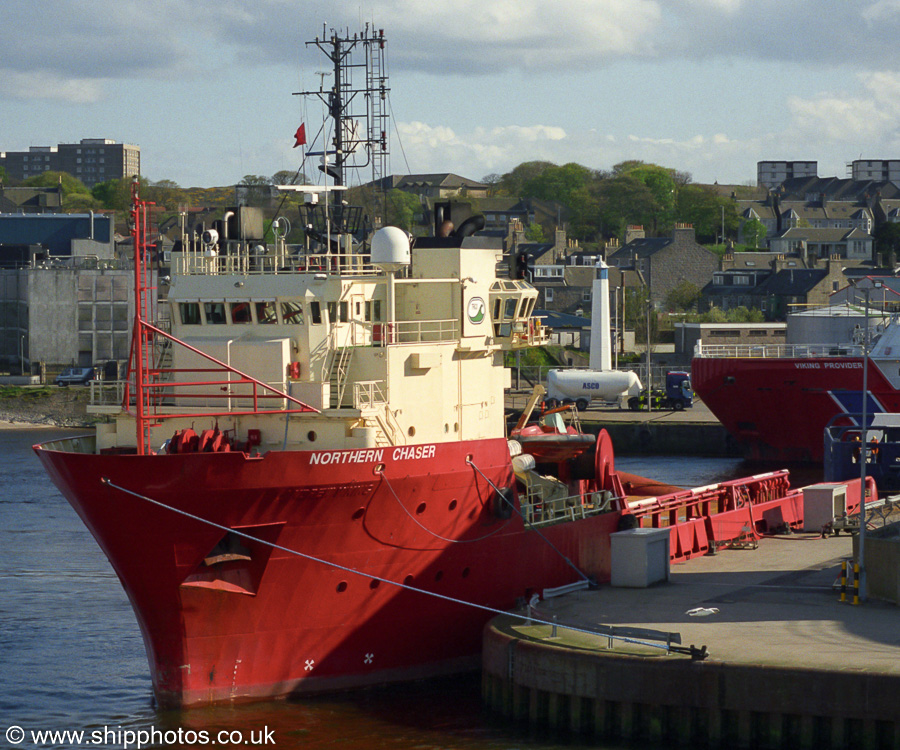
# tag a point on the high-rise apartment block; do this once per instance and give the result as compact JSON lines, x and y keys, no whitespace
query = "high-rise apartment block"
{"x":770,"y":174}
{"x":92,"y":160}
{"x":877,"y":170}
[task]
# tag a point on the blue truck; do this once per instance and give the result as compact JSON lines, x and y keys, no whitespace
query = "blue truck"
{"x":678,"y":394}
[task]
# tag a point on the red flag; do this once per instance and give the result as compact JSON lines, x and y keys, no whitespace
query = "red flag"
{"x":300,"y":135}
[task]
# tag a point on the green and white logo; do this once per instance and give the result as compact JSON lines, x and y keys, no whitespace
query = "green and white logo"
{"x":475,"y":310}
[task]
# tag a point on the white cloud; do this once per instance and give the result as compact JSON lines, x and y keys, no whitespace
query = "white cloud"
{"x":478,"y":152}
{"x":481,"y":151}
{"x":49,"y":85}
{"x":881,"y":10}
{"x":837,"y":116}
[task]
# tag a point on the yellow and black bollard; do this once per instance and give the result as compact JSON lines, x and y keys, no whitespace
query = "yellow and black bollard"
{"x":844,"y":581}
{"x":855,"y":583}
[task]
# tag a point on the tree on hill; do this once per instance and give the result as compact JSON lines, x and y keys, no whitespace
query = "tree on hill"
{"x":683,"y":297}
{"x":754,"y":232}
{"x":660,"y":181}
{"x":511,"y":183}
{"x":493,"y":181}
{"x":116,"y":194}
{"x":624,"y":200}
{"x":703,"y":207}
{"x":289,"y":177}
{"x":887,"y":242}
{"x":534,"y":233}
{"x":68,"y":183}
{"x":166,"y":193}
{"x":402,"y":209}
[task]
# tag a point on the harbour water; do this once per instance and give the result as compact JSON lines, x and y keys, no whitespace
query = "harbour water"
{"x":72,"y":659}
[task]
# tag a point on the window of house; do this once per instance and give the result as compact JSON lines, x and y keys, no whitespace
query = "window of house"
{"x":548,"y":295}
{"x":315,"y":312}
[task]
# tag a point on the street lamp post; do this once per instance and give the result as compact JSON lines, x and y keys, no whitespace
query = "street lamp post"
{"x":864,"y":455}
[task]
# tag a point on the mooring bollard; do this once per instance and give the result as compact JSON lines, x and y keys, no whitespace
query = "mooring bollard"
{"x":844,"y":581}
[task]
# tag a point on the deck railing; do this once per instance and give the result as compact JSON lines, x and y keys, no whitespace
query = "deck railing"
{"x":415,"y":331}
{"x":249,"y":263}
{"x":771,"y":351}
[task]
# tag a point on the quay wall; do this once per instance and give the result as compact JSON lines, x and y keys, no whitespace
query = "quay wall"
{"x":672,"y":700}
{"x":669,"y":438}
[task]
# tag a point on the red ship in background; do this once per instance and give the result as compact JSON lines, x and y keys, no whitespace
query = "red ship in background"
{"x":776,"y":400}
{"x":308,"y":484}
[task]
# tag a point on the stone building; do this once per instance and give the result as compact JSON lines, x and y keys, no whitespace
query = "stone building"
{"x":666,"y":262}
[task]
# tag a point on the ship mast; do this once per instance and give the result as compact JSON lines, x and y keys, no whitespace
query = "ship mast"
{"x":358,"y":112}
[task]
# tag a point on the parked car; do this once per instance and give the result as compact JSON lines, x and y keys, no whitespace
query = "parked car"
{"x":75,"y":376}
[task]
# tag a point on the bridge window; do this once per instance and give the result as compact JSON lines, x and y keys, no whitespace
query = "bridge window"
{"x":292,"y":313}
{"x":240,"y":312}
{"x":265,"y":313}
{"x":190,"y":313}
{"x":215,"y":313}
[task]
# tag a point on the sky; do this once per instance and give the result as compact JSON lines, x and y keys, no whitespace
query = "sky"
{"x":707,"y":87}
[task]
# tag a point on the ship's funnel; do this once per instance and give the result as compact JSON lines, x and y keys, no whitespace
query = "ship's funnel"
{"x":601,"y":342}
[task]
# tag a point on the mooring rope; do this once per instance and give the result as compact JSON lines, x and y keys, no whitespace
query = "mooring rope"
{"x":353,"y":571}
{"x":434,"y":533}
{"x":530,"y":524}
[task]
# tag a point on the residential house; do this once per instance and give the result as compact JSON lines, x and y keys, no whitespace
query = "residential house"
{"x":30,"y":200}
{"x":666,"y":262}
{"x":438,"y":186}
{"x":815,"y":204}
{"x":773,"y":283}
{"x":792,"y":289}
{"x":849,"y":244}
{"x":499,"y":212}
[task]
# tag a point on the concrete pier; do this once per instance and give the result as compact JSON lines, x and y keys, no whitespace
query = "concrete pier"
{"x":790,"y":666}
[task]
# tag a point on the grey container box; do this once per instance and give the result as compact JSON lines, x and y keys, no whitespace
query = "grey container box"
{"x":639,"y":557}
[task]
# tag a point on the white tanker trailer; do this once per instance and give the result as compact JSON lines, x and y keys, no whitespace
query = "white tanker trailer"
{"x":581,"y":386}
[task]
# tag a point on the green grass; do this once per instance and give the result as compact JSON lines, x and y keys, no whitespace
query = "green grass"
{"x":25,"y":392}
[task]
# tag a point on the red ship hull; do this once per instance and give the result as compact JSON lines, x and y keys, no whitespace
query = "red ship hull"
{"x":269,"y":622}
{"x":777,"y":408}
